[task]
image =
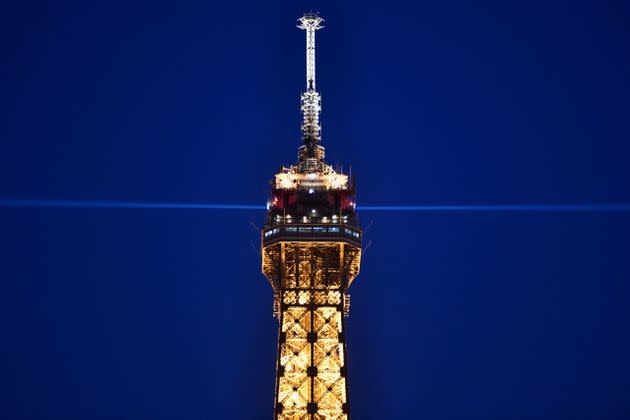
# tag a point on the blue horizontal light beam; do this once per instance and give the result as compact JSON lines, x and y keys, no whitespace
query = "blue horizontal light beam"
{"x":566,"y":208}
{"x":104,"y":204}
{"x":100,"y":204}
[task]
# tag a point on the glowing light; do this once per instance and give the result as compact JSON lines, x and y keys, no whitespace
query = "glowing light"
{"x":286,"y":180}
{"x":336,"y":181}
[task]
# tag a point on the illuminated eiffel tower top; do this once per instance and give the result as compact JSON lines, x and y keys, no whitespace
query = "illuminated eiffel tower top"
{"x":311,"y":253}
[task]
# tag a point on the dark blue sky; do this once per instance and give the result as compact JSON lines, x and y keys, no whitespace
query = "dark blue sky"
{"x":164,"y":314}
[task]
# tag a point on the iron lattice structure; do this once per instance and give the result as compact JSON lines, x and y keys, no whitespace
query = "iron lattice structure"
{"x":311,"y":253}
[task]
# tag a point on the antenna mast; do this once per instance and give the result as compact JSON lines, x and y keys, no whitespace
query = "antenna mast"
{"x":311,"y":154}
{"x":310,"y":22}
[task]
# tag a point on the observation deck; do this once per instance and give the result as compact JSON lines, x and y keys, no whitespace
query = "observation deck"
{"x":325,"y":232}
{"x":311,"y":207}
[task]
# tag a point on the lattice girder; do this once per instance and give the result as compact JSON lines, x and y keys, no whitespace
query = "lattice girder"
{"x":311,"y":280}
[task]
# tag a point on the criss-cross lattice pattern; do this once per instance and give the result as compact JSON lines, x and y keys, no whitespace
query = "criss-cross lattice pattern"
{"x":328,"y":356}
{"x":294,"y":388}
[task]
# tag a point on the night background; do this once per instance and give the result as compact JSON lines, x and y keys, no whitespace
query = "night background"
{"x":164,"y":313}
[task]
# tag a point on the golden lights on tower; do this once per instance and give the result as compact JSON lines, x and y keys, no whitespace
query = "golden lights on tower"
{"x":311,"y":253}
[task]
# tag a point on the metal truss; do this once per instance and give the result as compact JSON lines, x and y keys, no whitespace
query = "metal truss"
{"x":310,"y":283}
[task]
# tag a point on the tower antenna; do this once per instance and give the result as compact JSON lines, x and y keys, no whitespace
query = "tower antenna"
{"x":310,"y":155}
{"x":310,"y":22}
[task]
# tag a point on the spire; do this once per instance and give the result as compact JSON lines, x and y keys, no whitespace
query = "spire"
{"x":310,"y":22}
{"x":310,"y":155}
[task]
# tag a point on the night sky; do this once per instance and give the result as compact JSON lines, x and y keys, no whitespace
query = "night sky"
{"x":164,"y":313}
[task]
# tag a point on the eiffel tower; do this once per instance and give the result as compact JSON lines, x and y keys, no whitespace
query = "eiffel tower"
{"x":311,"y":253}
